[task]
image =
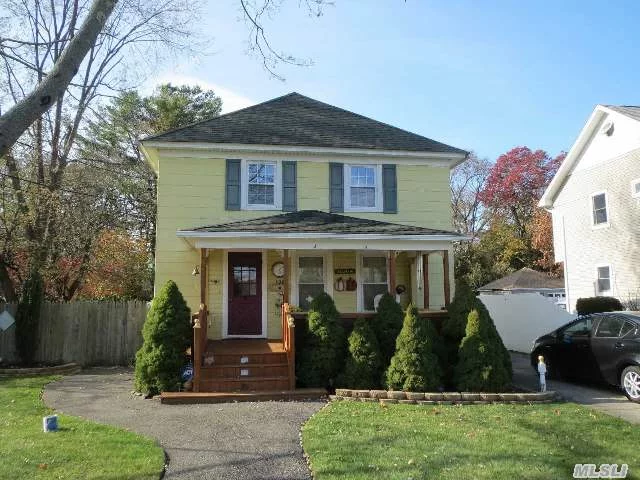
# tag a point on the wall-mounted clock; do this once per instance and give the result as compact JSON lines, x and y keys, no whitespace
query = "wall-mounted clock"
{"x":278,"y":269}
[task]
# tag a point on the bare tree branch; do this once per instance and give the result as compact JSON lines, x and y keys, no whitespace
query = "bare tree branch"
{"x":14,"y":123}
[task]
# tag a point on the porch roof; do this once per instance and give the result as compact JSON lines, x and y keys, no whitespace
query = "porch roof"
{"x":313,"y":229}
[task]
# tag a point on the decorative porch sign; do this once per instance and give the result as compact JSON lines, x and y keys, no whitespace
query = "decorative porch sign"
{"x":345,"y":271}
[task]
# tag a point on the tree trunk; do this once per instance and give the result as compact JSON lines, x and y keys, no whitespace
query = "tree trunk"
{"x":22,"y":115}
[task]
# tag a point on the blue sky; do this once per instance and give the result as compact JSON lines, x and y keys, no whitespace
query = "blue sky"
{"x":484,"y":76}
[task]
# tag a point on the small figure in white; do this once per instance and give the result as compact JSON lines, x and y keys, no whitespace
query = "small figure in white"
{"x":542,"y":371}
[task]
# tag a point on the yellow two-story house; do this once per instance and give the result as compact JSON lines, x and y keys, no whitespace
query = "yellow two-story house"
{"x":277,"y":202}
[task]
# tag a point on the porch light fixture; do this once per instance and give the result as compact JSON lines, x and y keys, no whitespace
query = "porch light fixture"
{"x":196,"y":271}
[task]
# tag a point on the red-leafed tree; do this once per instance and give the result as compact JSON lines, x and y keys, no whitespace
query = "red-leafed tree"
{"x":542,"y":240}
{"x":516,"y":182}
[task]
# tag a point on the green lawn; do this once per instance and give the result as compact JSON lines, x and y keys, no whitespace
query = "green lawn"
{"x":349,"y":440}
{"x":80,"y":450}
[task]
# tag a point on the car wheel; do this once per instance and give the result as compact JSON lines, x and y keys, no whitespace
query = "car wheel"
{"x":630,"y":381}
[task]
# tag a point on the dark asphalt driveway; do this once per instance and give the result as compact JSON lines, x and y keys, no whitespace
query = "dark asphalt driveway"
{"x":601,"y":397}
{"x":253,"y":440}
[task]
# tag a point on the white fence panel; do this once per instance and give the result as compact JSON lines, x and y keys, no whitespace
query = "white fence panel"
{"x":521,"y":318}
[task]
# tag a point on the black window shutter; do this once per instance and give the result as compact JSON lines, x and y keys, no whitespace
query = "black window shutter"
{"x":289,"y":187}
{"x":389,"y":189}
{"x":336,"y":187}
{"x":232,"y":190}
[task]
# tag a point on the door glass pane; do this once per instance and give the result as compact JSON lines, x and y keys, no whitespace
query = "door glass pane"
{"x":370,"y":291}
{"x":244,"y":281}
{"x":374,"y":270}
{"x":583,"y":327}
{"x":307,"y":292}
{"x":311,"y":270}
{"x":609,"y":326}
{"x":310,"y":280}
{"x":627,"y":328}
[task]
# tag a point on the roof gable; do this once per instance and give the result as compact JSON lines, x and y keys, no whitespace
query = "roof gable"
{"x":296,"y":120}
{"x":595,"y":148}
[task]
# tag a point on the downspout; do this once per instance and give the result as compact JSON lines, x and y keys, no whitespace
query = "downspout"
{"x":566,"y":268}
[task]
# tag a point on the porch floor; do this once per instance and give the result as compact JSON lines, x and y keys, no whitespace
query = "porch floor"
{"x":244,"y":346}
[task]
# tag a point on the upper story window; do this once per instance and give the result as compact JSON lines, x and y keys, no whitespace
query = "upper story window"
{"x":599,"y":210}
{"x":363,"y":188}
{"x":261,"y":185}
{"x":635,"y":188}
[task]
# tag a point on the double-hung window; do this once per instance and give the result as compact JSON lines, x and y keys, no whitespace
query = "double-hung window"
{"x":310,"y":280}
{"x":261,"y":184}
{"x":363,"y":188}
{"x":373,"y":280}
{"x":603,"y":282}
{"x":599,"y":212}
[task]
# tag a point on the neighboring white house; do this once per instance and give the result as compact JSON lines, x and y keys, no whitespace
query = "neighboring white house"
{"x":594,"y":199}
{"x":527,"y":280}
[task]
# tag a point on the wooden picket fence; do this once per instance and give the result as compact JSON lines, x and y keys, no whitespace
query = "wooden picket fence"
{"x":87,"y":333}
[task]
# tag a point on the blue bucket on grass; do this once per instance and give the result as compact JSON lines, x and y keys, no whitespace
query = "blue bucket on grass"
{"x":50,"y":423}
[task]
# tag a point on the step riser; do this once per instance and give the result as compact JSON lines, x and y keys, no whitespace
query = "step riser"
{"x":252,"y":358}
{"x":243,"y":386}
{"x":244,"y":371}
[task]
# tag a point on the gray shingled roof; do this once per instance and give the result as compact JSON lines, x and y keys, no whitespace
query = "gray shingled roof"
{"x":314,"y":221}
{"x":524,"y":278}
{"x":296,"y":120}
{"x":631,"y":111}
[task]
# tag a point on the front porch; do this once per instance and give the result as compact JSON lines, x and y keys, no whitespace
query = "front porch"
{"x":256,"y":285}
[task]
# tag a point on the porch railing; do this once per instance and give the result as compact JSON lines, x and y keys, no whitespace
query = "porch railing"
{"x":199,"y":344}
{"x":289,"y":342}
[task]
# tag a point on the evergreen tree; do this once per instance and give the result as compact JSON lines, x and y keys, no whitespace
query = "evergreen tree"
{"x":322,"y":357}
{"x":414,"y":366}
{"x":167,"y":334}
{"x":387,"y":325}
{"x":363,"y":365}
{"x":481,"y":365}
{"x":28,"y":317}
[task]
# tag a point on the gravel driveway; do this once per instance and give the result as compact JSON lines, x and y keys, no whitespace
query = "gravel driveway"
{"x":252,"y":440}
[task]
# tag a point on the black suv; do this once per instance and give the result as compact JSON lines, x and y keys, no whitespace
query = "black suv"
{"x":601,"y":346}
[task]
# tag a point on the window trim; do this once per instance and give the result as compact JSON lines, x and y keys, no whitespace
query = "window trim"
{"x":635,"y":182}
{"x":327,"y":261}
{"x":244,"y":185}
{"x":360,"y":286}
{"x":378,"y":186}
{"x":606,"y":224}
{"x":604,"y":293}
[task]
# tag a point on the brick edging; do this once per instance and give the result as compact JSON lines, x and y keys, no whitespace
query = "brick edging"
{"x":67,"y":368}
{"x":432,"y":398}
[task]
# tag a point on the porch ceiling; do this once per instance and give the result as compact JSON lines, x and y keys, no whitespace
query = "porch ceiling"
{"x":315,"y":230}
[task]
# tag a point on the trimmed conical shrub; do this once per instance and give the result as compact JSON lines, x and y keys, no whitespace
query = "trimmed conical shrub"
{"x":28,"y":317}
{"x":166,"y":333}
{"x":481,"y":366}
{"x":324,"y":345}
{"x":364,"y":363}
{"x":453,"y":329}
{"x":414,"y":366}
{"x":387,"y":325}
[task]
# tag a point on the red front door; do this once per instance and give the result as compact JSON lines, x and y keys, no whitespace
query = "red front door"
{"x":245,"y":293}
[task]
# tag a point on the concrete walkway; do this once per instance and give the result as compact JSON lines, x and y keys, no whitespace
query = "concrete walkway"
{"x":219,"y":441}
{"x":600,"y":397}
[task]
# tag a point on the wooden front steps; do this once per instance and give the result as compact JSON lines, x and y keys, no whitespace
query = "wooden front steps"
{"x":177,"y":398}
{"x":244,"y":366}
